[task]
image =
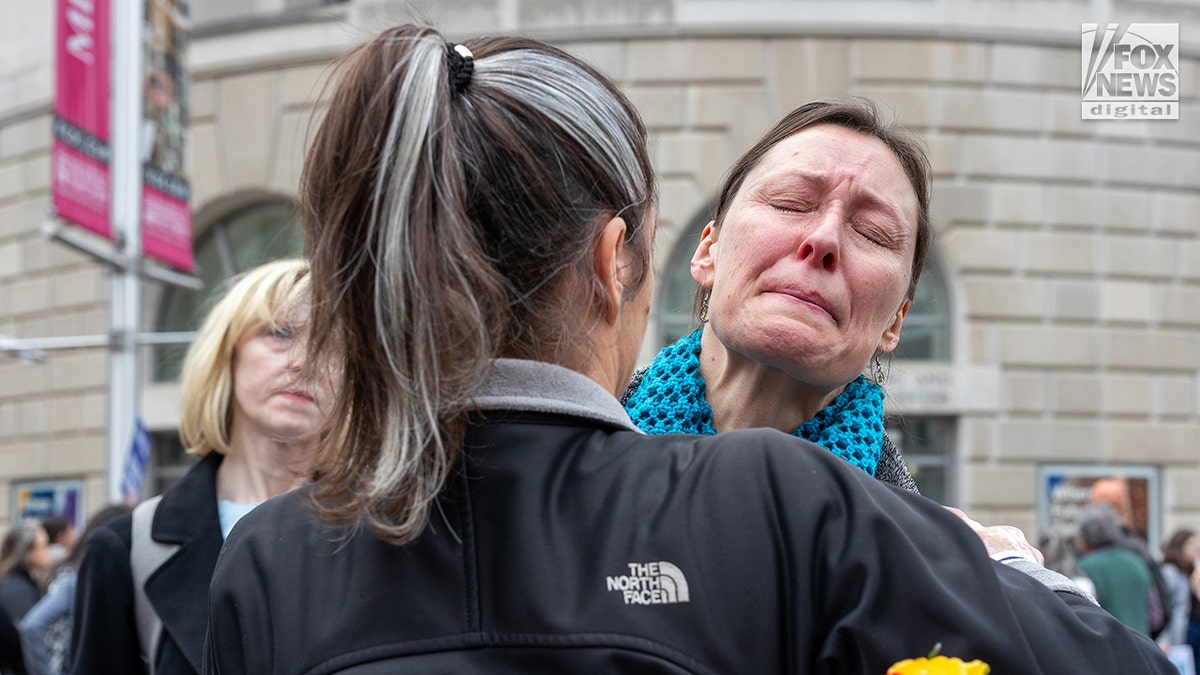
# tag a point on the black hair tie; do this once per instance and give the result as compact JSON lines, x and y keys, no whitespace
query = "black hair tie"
{"x":462,"y":66}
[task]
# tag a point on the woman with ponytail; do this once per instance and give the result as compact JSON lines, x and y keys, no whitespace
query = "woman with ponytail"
{"x":479,"y":218}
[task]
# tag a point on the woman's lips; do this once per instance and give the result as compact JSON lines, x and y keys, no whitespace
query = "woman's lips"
{"x":300,"y":396}
{"x":808,"y":297}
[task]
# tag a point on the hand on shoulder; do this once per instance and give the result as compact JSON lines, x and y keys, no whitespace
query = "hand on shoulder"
{"x":1002,"y":541}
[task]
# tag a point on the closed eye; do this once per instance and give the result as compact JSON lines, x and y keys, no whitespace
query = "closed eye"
{"x":878,"y":234}
{"x":792,"y":207}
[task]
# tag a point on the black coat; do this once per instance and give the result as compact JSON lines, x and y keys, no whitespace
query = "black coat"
{"x":11,"y":659}
{"x":568,"y":542}
{"x":104,"y":637}
{"x":18,"y":593}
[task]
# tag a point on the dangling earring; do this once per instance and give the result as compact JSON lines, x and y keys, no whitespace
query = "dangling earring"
{"x":879,"y":375}
{"x":704,"y":307}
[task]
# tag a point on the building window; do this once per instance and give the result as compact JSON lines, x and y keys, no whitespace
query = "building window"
{"x":675,"y":299}
{"x":926,"y":332}
{"x":927,"y":441}
{"x":926,"y":444}
{"x":168,"y":462}
{"x":677,"y":294}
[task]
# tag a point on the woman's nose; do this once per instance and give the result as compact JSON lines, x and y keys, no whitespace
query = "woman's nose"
{"x":296,"y":355}
{"x":821,"y":244}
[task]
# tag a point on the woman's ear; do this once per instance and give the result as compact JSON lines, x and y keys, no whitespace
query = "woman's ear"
{"x":606,"y":265}
{"x":704,"y":259}
{"x":891,"y":334}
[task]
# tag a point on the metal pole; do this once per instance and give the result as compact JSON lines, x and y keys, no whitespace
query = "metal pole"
{"x":123,"y":382}
{"x":12,"y":344}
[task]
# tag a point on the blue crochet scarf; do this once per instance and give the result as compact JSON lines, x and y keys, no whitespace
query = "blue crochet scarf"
{"x":670,"y":400}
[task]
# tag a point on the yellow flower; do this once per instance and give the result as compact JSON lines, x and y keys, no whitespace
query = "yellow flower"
{"x":939,"y":665}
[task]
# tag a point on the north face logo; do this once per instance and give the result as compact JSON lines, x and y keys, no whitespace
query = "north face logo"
{"x":655,"y":583}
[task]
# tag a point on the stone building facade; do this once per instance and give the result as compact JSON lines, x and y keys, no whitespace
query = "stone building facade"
{"x":1061,"y":322}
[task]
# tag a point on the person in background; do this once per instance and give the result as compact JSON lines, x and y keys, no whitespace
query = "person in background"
{"x":1115,"y":493}
{"x":1193,"y":631}
{"x":1059,"y":545}
{"x":1181,"y":553}
{"x":249,"y":414}
{"x":805,"y":276}
{"x":46,"y":628}
{"x":1120,"y":578}
{"x":24,"y":562}
{"x":1178,"y":561}
{"x":61,"y":532}
{"x":480,"y":218}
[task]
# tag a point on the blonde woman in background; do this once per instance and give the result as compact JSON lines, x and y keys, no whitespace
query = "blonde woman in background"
{"x":248,"y":414}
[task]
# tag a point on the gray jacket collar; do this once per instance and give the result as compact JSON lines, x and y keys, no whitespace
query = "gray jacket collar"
{"x":514,"y":384}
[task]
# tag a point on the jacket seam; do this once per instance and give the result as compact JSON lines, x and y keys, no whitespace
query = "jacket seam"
{"x":470,"y":564}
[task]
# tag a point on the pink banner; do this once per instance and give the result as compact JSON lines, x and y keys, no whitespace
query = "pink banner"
{"x":166,"y":218}
{"x":166,"y":229}
{"x":80,"y":175}
{"x":81,"y":189}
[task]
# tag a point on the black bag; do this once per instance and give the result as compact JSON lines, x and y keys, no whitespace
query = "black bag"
{"x":1159,"y":609}
{"x":1158,"y":612}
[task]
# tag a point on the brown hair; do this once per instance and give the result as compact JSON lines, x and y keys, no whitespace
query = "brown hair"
{"x":861,"y":115}
{"x":20,"y":539}
{"x":450,"y":221}
{"x":1173,"y":551}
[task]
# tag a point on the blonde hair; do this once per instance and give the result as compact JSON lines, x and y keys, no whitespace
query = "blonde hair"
{"x":255,"y":299}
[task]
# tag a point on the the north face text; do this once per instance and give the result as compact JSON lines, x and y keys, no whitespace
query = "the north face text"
{"x":653,"y":583}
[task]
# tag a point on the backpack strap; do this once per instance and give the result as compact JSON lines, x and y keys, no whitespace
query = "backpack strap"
{"x":146,"y":556}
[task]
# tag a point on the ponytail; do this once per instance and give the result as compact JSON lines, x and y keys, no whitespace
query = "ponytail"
{"x":446,"y":206}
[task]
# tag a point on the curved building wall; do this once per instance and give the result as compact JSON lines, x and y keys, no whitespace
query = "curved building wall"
{"x":1070,"y":248}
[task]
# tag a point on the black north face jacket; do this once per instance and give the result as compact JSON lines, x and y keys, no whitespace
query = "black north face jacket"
{"x":568,"y":542}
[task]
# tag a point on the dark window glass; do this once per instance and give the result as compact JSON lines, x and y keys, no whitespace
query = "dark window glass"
{"x":927,"y":444}
{"x":926,"y":332}
{"x":168,"y":462}
{"x":677,"y":297}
